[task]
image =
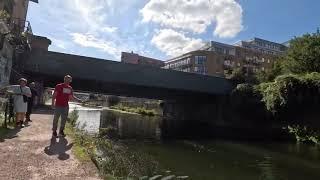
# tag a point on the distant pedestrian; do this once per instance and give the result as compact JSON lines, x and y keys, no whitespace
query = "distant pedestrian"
{"x":60,"y":103}
{"x":34,"y":93}
{"x":20,"y":98}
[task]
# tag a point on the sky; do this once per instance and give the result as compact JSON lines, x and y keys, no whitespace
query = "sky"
{"x":164,"y":29}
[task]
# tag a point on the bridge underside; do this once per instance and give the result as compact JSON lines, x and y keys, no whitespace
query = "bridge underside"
{"x":110,"y":77}
{"x":119,"y":89}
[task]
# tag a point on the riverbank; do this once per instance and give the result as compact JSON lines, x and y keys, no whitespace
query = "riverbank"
{"x":137,"y":155}
{"x":114,"y":158}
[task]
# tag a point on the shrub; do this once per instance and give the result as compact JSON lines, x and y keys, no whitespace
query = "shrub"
{"x":304,"y":134}
{"x":113,"y":100}
{"x":73,"y":116}
{"x":290,"y":91}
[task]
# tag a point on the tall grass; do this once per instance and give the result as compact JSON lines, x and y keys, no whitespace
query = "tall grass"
{"x":114,"y":159}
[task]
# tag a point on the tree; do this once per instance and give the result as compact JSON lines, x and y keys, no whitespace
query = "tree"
{"x":267,"y":76}
{"x":238,"y":76}
{"x":303,"y":55}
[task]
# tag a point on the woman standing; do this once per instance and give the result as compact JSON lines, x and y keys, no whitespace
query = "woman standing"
{"x":21,"y":93}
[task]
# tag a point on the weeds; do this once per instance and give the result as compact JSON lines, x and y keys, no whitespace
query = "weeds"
{"x":304,"y":134}
{"x":113,"y":159}
{"x":139,"y":110}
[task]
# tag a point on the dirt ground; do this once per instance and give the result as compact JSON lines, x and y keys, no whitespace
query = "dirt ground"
{"x":31,"y":153}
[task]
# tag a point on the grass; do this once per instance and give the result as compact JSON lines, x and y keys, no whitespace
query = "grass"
{"x":4,"y":131}
{"x":138,"y":110}
{"x":78,"y":149}
{"x":115,"y":160}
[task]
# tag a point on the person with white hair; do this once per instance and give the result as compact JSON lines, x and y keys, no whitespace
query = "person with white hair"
{"x":20,"y":94}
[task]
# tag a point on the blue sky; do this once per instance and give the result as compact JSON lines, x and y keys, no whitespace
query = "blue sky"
{"x":166,"y":28}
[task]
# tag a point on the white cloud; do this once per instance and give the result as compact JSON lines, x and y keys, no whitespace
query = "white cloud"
{"x":175,"y":43}
{"x":196,"y":15}
{"x":58,"y":43}
{"x":88,"y":40}
{"x":109,"y":29}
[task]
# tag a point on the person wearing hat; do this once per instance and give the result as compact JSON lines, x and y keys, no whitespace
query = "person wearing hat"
{"x":20,"y":93}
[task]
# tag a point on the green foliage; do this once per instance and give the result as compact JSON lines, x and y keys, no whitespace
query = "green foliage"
{"x":73,"y":116}
{"x":267,"y":76}
{"x":238,"y":76}
{"x":304,"y":134}
{"x":290,"y":90}
{"x":4,"y":15}
{"x":303,"y":56}
{"x":113,"y":159}
{"x":113,"y":100}
{"x":121,"y":161}
{"x":139,"y":110}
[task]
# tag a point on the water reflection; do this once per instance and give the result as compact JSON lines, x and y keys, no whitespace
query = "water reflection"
{"x":126,"y":125}
{"x":220,"y":160}
{"x":129,"y":125}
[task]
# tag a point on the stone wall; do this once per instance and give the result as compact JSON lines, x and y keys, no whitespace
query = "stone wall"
{"x":5,"y":63}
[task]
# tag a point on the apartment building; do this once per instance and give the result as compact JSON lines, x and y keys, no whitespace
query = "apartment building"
{"x":263,"y":46}
{"x":218,"y":59}
{"x":133,"y":58}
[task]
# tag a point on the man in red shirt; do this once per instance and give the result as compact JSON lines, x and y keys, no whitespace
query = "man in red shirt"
{"x":60,"y":103}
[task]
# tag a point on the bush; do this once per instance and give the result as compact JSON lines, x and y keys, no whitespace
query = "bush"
{"x":113,"y":100}
{"x":304,"y":134}
{"x":290,"y":90}
{"x":73,"y":116}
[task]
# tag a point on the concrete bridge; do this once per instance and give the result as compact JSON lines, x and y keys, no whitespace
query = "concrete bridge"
{"x":111,"y":77}
{"x":190,"y":100}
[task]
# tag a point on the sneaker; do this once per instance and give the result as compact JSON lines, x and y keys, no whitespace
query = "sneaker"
{"x":54,"y":134}
{"x":61,"y":133}
{"x":22,"y":125}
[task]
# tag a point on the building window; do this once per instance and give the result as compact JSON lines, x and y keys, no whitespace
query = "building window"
{"x":219,"y":50}
{"x":200,"y":60}
{"x":268,"y":60}
{"x":262,"y":69}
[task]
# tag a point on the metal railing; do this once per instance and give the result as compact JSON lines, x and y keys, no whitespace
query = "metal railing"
{"x":8,"y":110}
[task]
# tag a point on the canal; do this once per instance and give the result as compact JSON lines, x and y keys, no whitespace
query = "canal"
{"x":206,"y":159}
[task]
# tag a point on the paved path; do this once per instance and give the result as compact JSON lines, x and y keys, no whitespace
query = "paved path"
{"x":30,"y":153}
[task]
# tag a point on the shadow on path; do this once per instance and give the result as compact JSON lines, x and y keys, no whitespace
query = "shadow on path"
{"x":9,"y":133}
{"x":59,"y":148}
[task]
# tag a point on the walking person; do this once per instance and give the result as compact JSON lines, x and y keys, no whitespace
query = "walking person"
{"x":34,"y":93}
{"x":20,"y":93}
{"x":63,"y":93}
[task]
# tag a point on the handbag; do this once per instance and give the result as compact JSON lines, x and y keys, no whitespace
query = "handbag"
{"x":25,"y":98}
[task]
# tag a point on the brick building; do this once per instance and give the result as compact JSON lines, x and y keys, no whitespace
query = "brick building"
{"x":133,"y":58}
{"x":218,"y":59}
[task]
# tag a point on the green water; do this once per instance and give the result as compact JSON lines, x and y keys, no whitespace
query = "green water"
{"x":216,"y":159}
{"x":221,"y":160}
